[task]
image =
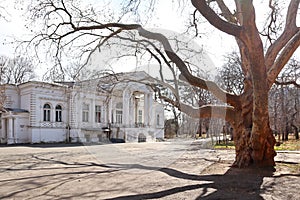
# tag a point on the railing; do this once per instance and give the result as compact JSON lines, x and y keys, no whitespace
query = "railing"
{"x":136,"y":125}
{"x":53,"y":124}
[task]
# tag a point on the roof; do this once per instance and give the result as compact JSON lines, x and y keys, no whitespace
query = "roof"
{"x":67,"y":83}
{"x":16,"y":110}
{"x":110,"y":81}
{"x":40,"y":83}
{"x":104,"y":83}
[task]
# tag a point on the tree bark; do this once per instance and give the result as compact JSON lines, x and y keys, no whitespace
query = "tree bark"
{"x":296,"y":131}
{"x":252,"y":148}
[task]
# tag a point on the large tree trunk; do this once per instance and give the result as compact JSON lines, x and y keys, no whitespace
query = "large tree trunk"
{"x":253,"y":148}
{"x":253,"y":137}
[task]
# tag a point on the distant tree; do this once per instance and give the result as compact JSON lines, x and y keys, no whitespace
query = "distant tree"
{"x":230,"y":75}
{"x":2,"y":96}
{"x":3,"y":13}
{"x":15,"y":71}
{"x":196,"y":97}
{"x":284,"y":101}
{"x":3,"y":62}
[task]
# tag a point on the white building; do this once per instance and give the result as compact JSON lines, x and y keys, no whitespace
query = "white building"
{"x":87,"y":111}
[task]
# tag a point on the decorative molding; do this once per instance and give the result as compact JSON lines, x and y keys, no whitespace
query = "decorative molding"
{"x":52,"y":99}
{"x":53,"y":124}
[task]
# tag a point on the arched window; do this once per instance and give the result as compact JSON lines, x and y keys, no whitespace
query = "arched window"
{"x":58,"y":113}
{"x":47,"y":111}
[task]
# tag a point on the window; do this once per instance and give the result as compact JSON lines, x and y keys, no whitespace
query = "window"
{"x":85,"y":112}
{"x":58,"y":113}
{"x":97,"y":114}
{"x":140,"y":116}
{"x":119,"y":113}
{"x":119,"y":116}
{"x":47,"y":111}
{"x":158,"y":120}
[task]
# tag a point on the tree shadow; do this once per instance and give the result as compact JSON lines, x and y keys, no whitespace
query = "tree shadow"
{"x":235,"y":183}
{"x":42,"y":145}
{"x":52,"y":179}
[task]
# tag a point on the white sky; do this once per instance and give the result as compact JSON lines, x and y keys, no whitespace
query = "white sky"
{"x":216,"y":44}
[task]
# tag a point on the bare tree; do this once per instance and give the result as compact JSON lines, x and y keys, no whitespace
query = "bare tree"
{"x":196,"y":97}
{"x":2,"y":96}
{"x":3,"y":63}
{"x":15,"y":71}
{"x":66,"y":24}
{"x":3,"y":13}
{"x":230,"y":76}
{"x":284,"y":101}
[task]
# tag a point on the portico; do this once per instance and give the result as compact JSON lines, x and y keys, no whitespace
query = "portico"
{"x":14,"y":126}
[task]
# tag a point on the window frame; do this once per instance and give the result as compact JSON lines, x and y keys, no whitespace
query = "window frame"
{"x":98,"y":113}
{"x":140,"y":116}
{"x":47,"y":112}
{"x":58,"y":113}
{"x":119,"y":116}
{"x":85,"y":112}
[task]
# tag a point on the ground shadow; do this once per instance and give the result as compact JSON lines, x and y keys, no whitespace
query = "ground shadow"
{"x":233,"y":184}
{"x":42,"y":145}
{"x":62,"y":144}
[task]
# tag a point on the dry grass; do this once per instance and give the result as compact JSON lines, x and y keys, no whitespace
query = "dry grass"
{"x":290,"y":145}
{"x":228,"y":145}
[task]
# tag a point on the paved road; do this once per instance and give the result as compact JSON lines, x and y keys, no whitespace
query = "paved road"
{"x":166,"y":170}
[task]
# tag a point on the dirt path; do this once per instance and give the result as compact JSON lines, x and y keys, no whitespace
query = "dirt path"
{"x":166,"y":170}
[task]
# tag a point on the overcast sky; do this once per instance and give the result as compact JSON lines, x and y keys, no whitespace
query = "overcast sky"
{"x":216,"y":44}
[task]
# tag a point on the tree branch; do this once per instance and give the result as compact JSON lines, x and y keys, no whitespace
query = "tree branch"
{"x":288,"y":83}
{"x":215,"y":20}
{"x":188,"y":77}
{"x":195,"y":81}
{"x":226,"y":13}
{"x":207,"y":111}
{"x":289,"y":32}
{"x":283,"y":58}
{"x":160,"y":53}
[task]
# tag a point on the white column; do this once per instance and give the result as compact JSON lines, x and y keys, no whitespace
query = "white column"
{"x":10,"y":129}
{"x":131,"y":110}
{"x":151,"y":113}
{"x":93,"y":104}
{"x":3,"y":133}
{"x":109,"y":111}
{"x":146,"y":109}
{"x":104,"y":113}
{"x":126,"y":103}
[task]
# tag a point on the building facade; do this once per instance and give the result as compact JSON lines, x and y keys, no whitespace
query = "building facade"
{"x":89,"y":111}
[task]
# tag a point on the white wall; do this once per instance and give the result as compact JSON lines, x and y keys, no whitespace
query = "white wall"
{"x":21,"y":123}
{"x":12,"y":97}
{"x":48,"y":135}
{"x":34,"y":96}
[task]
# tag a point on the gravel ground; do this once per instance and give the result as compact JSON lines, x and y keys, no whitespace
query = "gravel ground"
{"x":182,"y":169}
